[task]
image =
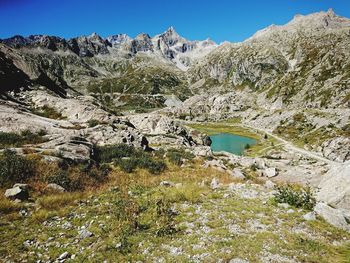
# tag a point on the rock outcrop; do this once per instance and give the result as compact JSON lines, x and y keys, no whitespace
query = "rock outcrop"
{"x":334,"y":188}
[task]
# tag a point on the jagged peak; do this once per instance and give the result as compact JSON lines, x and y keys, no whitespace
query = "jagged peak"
{"x":143,"y":36}
{"x":171,"y":31}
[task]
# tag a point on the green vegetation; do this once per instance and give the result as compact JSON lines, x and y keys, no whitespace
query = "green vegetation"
{"x":295,"y":196}
{"x":14,"y":168}
{"x":221,"y":127}
{"x":34,"y":170}
{"x":11,"y":139}
{"x":177,"y":156}
{"x":48,"y":112}
{"x":93,"y":123}
{"x":135,"y":219}
{"x":128,"y":158}
{"x":301,"y":132}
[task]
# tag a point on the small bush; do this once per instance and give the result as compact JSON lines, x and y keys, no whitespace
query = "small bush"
{"x":127,"y":165}
{"x":11,"y":139}
{"x":48,"y":112}
{"x":176,"y":156}
{"x":93,"y":123}
{"x":128,"y":158}
{"x":106,"y":154}
{"x":61,"y":178}
{"x":15,"y":168}
{"x":295,"y":196}
{"x":144,"y":162}
{"x":153,"y":166}
{"x":165,"y":218}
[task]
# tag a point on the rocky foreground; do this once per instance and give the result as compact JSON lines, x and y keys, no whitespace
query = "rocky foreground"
{"x":196,"y":215}
{"x":198,"y":206}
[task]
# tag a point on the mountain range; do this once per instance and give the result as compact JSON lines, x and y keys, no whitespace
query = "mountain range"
{"x":303,"y":63}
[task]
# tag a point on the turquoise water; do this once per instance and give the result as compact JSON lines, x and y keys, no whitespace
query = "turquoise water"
{"x":230,"y":143}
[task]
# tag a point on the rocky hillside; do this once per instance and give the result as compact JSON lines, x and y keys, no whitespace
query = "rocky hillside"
{"x":303,"y":63}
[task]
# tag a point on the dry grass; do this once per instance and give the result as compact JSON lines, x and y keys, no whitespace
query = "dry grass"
{"x":57,"y":201}
{"x":7,"y":206}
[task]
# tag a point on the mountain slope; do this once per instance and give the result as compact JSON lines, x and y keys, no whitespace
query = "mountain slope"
{"x":305,"y":62}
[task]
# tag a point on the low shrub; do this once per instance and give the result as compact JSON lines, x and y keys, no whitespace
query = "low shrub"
{"x":165,"y":218}
{"x":295,"y":196}
{"x":94,"y":122}
{"x":175,"y":156}
{"x":48,"y":112}
{"x":15,"y":168}
{"x":61,"y":178}
{"x":11,"y":139}
{"x":145,"y":161}
{"x":128,"y":165}
{"x":128,"y":158}
{"x":106,"y":154}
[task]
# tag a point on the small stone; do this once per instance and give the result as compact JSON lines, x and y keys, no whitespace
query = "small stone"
{"x":238,"y":260}
{"x":270,"y":172}
{"x":64,"y":255}
{"x":237,"y":173}
{"x":84,"y":233}
{"x":269,"y":184}
{"x":167,"y":184}
{"x":214,"y":184}
{"x":283,"y":205}
{"x":310,"y":216}
{"x":119,"y":245}
{"x":290,"y":211}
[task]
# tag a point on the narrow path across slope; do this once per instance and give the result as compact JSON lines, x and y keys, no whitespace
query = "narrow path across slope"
{"x":290,"y":146}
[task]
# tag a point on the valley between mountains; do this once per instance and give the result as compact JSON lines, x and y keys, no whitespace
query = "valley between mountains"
{"x":106,"y":149}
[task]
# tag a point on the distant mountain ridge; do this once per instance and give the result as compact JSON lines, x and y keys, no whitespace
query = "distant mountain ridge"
{"x":169,"y":44}
{"x":303,"y":63}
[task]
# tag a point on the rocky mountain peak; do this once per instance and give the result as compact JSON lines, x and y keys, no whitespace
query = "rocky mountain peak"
{"x":143,"y":36}
{"x":119,"y":39}
{"x":312,"y":23}
{"x":319,"y":20}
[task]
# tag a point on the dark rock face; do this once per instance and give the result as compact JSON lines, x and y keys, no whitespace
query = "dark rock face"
{"x":89,"y":46}
{"x":207,"y":141}
{"x":11,"y":77}
{"x":142,"y":42}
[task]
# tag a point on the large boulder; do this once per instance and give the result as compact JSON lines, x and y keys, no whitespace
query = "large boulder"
{"x":17,"y":192}
{"x":334,"y":188}
{"x":337,"y":149}
{"x":202,"y":151}
{"x":335,"y":217}
{"x":270,"y":172}
{"x":75,"y":148}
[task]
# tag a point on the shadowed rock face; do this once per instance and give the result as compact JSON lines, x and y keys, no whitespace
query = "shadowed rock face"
{"x":11,"y":77}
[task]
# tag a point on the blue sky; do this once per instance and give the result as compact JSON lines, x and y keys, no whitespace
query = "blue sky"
{"x":221,"y":20}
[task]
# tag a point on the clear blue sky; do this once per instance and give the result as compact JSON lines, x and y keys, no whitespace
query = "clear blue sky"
{"x":220,"y":20}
